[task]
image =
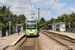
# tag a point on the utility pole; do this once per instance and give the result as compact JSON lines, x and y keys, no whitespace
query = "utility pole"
{"x":38,"y":15}
{"x":69,"y":24}
{"x":38,"y":18}
{"x":64,"y":18}
{"x":9,"y":25}
{"x":65,"y":22}
{"x":17,"y":20}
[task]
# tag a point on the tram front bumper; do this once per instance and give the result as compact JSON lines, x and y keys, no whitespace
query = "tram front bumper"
{"x":31,"y":34}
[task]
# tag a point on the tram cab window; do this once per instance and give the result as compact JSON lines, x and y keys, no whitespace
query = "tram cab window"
{"x":31,"y":26}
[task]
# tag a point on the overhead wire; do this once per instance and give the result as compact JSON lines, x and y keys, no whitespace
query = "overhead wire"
{"x":31,"y":6}
{"x":49,"y":8}
{"x":32,"y":10}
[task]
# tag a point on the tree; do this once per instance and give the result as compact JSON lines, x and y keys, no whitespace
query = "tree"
{"x":47,"y":24}
{"x":13,"y":23}
{"x":22,"y":18}
{"x":52,"y":21}
{"x":72,"y":15}
{"x":1,"y":25}
{"x":4,"y":12}
{"x":72,"y":20}
{"x":42,"y":22}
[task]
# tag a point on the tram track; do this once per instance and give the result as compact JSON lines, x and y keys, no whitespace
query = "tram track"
{"x":29,"y":42}
{"x":62,"y":36}
{"x":59,"y":38}
{"x":21,"y":43}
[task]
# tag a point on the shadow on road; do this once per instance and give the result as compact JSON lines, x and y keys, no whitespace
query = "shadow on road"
{"x":32,"y":36}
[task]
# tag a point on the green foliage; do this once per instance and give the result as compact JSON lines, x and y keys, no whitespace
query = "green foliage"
{"x":62,"y":18}
{"x":72,"y":15}
{"x":1,"y":25}
{"x":42,"y":22}
{"x":22,"y":19}
{"x":46,"y":26}
{"x":52,"y":21}
{"x":4,"y":14}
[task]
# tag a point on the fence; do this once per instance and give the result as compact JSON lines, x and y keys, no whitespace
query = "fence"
{"x":71,"y":30}
{"x":4,"y":32}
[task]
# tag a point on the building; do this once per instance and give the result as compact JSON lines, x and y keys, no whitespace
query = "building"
{"x":59,"y":27}
{"x":19,"y":25}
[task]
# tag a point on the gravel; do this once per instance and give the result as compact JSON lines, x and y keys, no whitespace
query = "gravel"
{"x":46,"y":43}
{"x":67,"y":43}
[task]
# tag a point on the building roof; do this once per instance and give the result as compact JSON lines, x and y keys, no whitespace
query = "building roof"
{"x":18,"y":24}
{"x":59,"y":23}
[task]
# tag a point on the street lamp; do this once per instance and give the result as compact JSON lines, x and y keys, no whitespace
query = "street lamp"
{"x":64,"y":18}
{"x":65,"y":22}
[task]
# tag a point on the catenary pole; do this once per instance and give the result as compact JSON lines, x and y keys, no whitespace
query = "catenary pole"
{"x":38,"y":18}
{"x":38,"y":15}
{"x":9,"y":24}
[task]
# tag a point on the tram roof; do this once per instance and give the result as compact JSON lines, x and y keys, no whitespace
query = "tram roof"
{"x":59,"y":23}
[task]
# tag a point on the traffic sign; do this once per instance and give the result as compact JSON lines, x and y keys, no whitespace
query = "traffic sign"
{"x":9,"y":22}
{"x":6,"y":20}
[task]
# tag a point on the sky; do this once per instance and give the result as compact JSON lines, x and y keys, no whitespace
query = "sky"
{"x":59,"y":8}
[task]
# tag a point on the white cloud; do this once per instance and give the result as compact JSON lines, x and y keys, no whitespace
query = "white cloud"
{"x":46,"y":15}
{"x":67,"y":10}
{"x":24,"y":7}
{"x":27,"y":14}
{"x":58,"y":5}
{"x":55,"y":17}
{"x":48,"y":3}
{"x":58,"y":13}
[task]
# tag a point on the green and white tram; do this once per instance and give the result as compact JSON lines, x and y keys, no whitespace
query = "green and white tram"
{"x":31,"y":27}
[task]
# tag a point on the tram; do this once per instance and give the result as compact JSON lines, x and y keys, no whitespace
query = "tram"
{"x":31,"y":27}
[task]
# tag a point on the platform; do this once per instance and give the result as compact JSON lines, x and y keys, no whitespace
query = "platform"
{"x":71,"y":35}
{"x":10,"y":40}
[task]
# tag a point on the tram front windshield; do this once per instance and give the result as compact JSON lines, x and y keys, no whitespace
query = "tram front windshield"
{"x":31,"y":26}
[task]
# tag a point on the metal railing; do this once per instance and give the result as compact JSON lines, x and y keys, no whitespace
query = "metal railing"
{"x":71,"y":30}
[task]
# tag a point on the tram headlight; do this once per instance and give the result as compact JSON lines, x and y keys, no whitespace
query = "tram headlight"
{"x":35,"y":31}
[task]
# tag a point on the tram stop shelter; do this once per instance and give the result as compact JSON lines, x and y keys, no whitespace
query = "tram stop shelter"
{"x":59,"y":27}
{"x":19,"y":25}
